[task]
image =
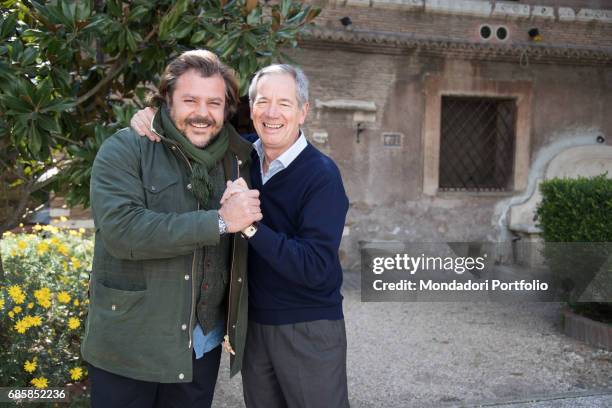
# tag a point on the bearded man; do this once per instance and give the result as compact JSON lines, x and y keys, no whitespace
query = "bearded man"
{"x":169,"y":272}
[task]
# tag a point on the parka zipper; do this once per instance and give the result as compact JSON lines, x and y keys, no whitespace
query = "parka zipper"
{"x":193,"y":265}
{"x":231,"y":281}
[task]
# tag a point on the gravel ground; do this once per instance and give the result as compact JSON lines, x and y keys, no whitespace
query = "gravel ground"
{"x":460,"y":354}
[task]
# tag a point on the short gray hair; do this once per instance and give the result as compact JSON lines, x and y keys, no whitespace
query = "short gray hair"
{"x":301,"y":82}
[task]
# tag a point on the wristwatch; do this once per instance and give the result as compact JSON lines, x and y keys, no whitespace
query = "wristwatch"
{"x":249,"y":231}
{"x":222,"y":226}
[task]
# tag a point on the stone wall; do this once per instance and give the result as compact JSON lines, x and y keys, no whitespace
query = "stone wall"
{"x":570,"y":101}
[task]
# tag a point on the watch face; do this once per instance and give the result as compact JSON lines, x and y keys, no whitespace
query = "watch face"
{"x":250,"y":231}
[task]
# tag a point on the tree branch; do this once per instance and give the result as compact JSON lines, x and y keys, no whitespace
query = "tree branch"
{"x":65,"y":139}
{"x":115,"y":69}
{"x":19,"y":209}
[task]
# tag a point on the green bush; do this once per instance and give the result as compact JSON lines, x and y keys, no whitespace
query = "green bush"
{"x":574,"y":212}
{"x":43,"y":306}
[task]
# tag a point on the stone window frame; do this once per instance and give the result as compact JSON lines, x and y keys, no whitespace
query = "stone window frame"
{"x":435,"y":87}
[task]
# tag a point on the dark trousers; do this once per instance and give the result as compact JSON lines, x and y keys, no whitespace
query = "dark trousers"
{"x":111,"y":390}
{"x":300,"y":365}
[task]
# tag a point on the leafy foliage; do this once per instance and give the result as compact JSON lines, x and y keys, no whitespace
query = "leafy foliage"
{"x":576,"y":224}
{"x":73,"y":71}
{"x":576,"y":210}
{"x":43,"y":304}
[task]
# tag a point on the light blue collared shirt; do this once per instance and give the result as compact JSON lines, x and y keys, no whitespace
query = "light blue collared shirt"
{"x":281,"y":162}
{"x":205,"y":343}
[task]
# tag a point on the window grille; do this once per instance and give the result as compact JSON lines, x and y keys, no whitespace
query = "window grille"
{"x":477,"y":143}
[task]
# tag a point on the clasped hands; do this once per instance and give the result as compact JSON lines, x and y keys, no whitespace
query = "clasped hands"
{"x":240,"y":207}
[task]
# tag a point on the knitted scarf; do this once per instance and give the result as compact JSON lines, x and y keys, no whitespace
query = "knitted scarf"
{"x":203,"y":160}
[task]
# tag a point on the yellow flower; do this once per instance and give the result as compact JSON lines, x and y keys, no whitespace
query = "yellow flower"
{"x":72,"y":232}
{"x":42,"y":248}
{"x":82,"y":230}
{"x":13,"y":253}
{"x":30,"y":366}
{"x":1,"y":304}
{"x":7,"y":234}
{"x":63,"y":249}
{"x":63,"y":219}
{"x":76,"y":264}
{"x":33,"y":321}
{"x":76,"y":373}
{"x":76,"y":302}
{"x":16,"y":294}
{"x":11,"y":314}
{"x":74,"y":323}
{"x":63,"y":297}
{"x":51,"y":229}
{"x":37,"y":227}
{"x":40,"y":382}
{"x":43,"y":296}
{"x":55,"y":241}
{"x":17,"y":309}
{"x":21,"y":326}
{"x":30,"y":305}
{"x":46,"y":303}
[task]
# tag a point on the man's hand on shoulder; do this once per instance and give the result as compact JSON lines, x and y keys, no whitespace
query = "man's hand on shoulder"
{"x":141,"y":123}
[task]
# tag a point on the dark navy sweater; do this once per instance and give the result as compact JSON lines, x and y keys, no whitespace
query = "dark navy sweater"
{"x":293,"y":268}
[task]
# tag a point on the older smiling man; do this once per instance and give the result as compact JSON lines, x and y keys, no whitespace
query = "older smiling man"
{"x":295,"y":353}
{"x":296,"y":342}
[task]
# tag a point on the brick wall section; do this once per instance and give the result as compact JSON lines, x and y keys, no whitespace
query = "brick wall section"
{"x":463,"y":27}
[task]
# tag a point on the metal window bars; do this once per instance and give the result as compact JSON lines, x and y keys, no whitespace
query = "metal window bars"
{"x":477,"y":143}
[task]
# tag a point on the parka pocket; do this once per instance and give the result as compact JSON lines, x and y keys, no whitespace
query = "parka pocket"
{"x":161,"y":195}
{"x":116,"y":302}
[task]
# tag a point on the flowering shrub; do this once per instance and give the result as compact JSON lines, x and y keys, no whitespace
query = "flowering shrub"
{"x":43,"y":305}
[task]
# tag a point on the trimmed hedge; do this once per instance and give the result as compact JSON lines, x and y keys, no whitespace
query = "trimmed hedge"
{"x":578,"y":210}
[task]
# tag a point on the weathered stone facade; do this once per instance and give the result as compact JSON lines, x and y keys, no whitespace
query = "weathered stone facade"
{"x":385,"y":73}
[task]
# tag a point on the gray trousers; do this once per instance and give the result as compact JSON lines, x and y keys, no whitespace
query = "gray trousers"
{"x":301,"y":365}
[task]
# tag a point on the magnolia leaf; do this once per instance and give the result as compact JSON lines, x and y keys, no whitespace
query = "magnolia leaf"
{"x":8,"y":26}
{"x":29,"y":56}
{"x":137,"y":13}
{"x":35,"y":141}
{"x":312,"y":14}
{"x":170,"y":20}
{"x":198,"y":36}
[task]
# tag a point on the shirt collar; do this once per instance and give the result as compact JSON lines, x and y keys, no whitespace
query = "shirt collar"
{"x":288,"y":155}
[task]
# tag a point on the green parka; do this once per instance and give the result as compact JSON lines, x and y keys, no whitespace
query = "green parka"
{"x":148,"y":249}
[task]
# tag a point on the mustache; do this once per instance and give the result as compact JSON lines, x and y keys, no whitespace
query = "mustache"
{"x":201,"y":120}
